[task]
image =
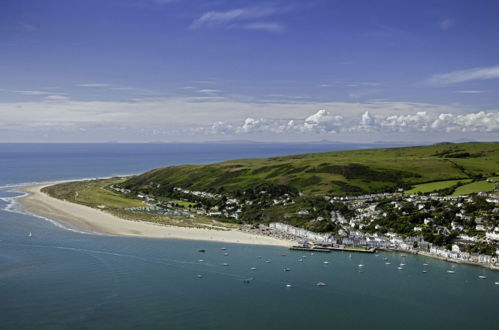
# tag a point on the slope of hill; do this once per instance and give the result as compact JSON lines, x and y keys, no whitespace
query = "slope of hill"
{"x":338,"y":173}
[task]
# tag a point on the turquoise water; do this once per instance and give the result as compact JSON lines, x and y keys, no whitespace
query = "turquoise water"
{"x":62,"y":279}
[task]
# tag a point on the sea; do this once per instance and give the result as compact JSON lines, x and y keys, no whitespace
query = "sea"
{"x":64,"y":278}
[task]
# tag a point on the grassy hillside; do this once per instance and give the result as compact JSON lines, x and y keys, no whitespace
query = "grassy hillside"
{"x":338,"y":173}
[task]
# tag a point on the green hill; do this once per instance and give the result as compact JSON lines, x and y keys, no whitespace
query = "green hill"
{"x":353,"y":172}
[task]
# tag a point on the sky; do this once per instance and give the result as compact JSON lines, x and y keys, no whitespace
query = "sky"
{"x":282,"y":71}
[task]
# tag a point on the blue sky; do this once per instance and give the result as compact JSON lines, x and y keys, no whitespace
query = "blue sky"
{"x":193,"y":70}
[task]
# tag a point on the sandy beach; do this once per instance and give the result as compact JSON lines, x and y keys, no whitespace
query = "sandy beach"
{"x":97,"y":221}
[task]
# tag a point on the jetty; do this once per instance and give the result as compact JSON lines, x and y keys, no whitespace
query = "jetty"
{"x":326,"y":249}
{"x":309,"y":248}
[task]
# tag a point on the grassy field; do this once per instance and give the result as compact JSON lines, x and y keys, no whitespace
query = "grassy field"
{"x":96,"y":194}
{"x":433,"y":186}
{"x":338,"y":173}
{"x":475,"y":187}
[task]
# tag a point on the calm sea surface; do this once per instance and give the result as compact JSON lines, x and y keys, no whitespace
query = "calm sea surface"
{"x":62,"y":279}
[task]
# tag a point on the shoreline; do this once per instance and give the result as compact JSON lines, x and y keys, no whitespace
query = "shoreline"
{"x":429,"y":255}
{"x":97,"y":221}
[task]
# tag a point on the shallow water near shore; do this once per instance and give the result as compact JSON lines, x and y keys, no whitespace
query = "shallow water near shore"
{"x":60,"y":279}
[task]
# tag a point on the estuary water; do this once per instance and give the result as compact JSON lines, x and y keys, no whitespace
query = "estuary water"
{"x":66,"y":279}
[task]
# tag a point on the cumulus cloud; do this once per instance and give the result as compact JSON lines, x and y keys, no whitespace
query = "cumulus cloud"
{"x":322,"y":121}
{"x":461,"y":76}
{"x":212,"y":116}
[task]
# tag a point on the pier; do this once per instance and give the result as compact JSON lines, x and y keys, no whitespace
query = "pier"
{"x":331,"y":248}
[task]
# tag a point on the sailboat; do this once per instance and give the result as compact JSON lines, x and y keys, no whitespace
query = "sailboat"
{"x":30,"y":234}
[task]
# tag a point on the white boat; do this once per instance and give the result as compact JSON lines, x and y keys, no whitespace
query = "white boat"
{"x":30,"y":234}
{"x":425,"y":264}
{"x":482,"y":277}
{"x":253,"y":268}
{"x":321,"y":284}
{"x":402,"y":255}
{"x":496,"y":283}
{"x":451,"y":271}
{"x":326,"y":262}
{"x":287,"y":269}
{"x":267,"y":261}
{"x":226,"y":254}
{"x":402,"y":265}
{"x":300,"y":260}
{"x":226,"y":264}
{"x":288,"y":285}
{"x":361,"y":265}
{"x":200,"y":260}
{"x":424,"y":271}
{"x":199,"y":276}
{"x":223,"y":249}
{"x":400,"y":268}
{"x":388,"y":263}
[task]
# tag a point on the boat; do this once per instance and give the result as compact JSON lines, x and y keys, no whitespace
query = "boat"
{"x":247,"y":280}
{"x":425,"y":264}
{"x":402,"y":255}
{"x":259,"y":257}
{"x":287,"y":269}
{"x":361,"y":265}
{"x":283,"y":255}
{"x":226,"y":254}
{"x":385,"y":258}
{"x":201,"y":250}
{"x":451,"y":271}
{"x":300,"y":260}
{"x":326,"y":262}
{"x":400,"y":268}
{"x":402,"y":264}
{"x":223,"y":249}
{"x":200,"y":260}
{"x":482,"y":277}
{"x":424,"y":271}
{"x":30,"y":234}
{"x":226,"y":264}
{"x":253,"y":268}
{"x":267,"y":261}
{"x":388,"y":263}
{"x":321,"y":284}
{"x":288,"y":285}
{"x":199,"y":276}
{"x":496,"y":283}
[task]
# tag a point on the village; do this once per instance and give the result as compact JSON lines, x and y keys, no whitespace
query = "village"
{"x":461,"y":229}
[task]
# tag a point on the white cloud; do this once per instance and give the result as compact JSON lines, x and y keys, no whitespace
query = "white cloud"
{"x":456,"y":77}
{"x":471,"y":92}
{"x":223,"y":17}
{"x":33,"y":92}
{"x":472,"y":122}
{"x":447,"y":24}
{"x":212,"y":116}
{"x":264,"y":26}
{"x":209,"y":91}
{"x":240,"y":18}
{"x":322,"y":121}
{"x":95,"y":85}
{"x":57,"y":98}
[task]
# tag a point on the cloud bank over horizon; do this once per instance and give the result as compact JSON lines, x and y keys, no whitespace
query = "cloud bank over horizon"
{"x":225,"y":119}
